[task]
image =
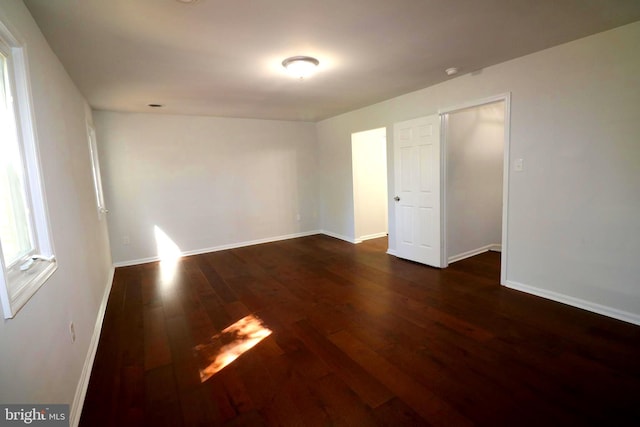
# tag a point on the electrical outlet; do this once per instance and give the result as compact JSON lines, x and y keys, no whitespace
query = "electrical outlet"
{"x":518,"y":165}
{"x":298,"y":217}
{"x":72,"y":332}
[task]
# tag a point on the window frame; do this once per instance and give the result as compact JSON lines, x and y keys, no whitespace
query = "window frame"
{"x":18,"y":285}
{"x":95,"y":170}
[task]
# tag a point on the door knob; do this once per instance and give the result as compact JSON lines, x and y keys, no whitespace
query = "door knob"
{"x":397,"y":199}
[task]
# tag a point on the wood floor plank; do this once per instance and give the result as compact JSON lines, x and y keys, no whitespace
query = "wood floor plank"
{"x":182,"y":354}
{"x":217,"y":283}
{"x":342,"y":404}
{"x":130,"y":397}
{"x":355,"y":337}
{"x":266,"y":378}
{"x":99,"y":407}
{"x":397,"y":413}
{"x":197,"y":409}
{"x":420,"y":397}
{"x":162,"y":405}
{"x":311,"y":408}
{"x":156,"y":342}
{"x":370,"y":390}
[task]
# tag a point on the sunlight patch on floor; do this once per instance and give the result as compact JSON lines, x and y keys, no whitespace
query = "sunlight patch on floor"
{"x":169,"y":254}
{"x":230,"y":344}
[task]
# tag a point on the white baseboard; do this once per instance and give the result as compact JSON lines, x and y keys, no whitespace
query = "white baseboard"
{"x":392,"y":252}
{"x":369,"y":237}
{"x":83,"y":384}
{"x":474,"y":252}
{"x":339,"y":236}
{"x":222,"y":247}
{"x":136,"y":261}
{"x":625,"y":316}
{"x":250,"y":243}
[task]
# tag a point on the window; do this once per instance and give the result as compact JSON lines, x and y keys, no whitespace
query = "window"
{"x":26,"y":251}
{"x":95,"y":167}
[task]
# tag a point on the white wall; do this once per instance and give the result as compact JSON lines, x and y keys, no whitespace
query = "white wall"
{"x":207,"y":182}
{"x":573,"y":229}
{"x":370,"y":199}
{"x":475,"y":150}
{"x":38,"y":361}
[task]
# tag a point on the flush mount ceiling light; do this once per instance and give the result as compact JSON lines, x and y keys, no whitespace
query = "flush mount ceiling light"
{"x":451,"y":71}
{"x":300,"y":66}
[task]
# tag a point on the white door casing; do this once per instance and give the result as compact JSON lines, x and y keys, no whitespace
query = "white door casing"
{"x":417,"y":190}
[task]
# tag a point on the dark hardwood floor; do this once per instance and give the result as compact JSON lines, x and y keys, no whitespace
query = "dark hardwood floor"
{"x":358,"y":338}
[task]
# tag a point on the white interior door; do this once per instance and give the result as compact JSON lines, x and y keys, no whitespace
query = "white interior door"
{"x":417,"y":184}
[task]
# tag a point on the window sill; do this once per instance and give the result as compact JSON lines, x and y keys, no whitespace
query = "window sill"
{"x":24,"y":284}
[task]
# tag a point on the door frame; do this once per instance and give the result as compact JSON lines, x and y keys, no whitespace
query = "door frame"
{"x":359,"y":238}
{"x":506,"y":97}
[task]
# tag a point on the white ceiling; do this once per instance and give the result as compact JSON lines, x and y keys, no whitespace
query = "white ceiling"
{"x":222,"y":57}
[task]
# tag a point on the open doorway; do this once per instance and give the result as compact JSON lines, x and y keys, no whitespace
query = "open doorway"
{"x":474,"y":152}
{"x":370,"y":195}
